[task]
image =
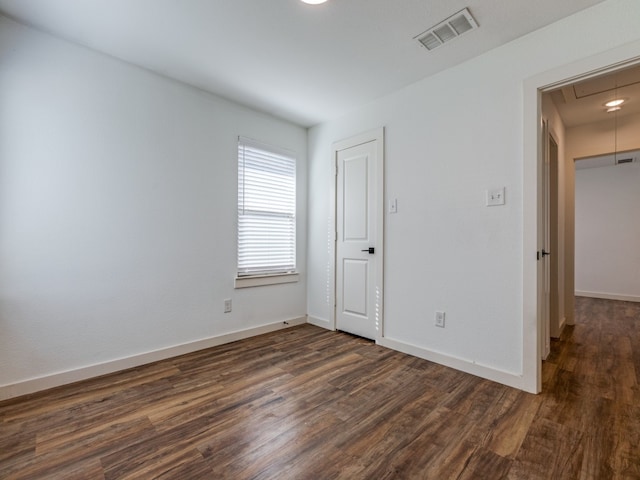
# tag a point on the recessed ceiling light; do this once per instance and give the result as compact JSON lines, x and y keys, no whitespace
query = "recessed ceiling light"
{"x":614,"y":109}
{"x":614,"y":103}
{"x":314,"y":2}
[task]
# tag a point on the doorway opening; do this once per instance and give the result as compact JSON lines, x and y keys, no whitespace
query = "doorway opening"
{"x":575,"y":123}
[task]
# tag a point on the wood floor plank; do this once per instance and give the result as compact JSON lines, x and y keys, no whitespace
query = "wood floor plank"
{"x":80,"y":448}
{"x":97,"y":389}
{"x":93,"y":415}
{"x":436,"y":442}
{"x":484,"y":463}
{"x":549,"y":451}
{"x":474,"y":397}
{"x":510,"y":422}
{"x":166,"y":463}
{"x":269,"y":420}
{"x":90,"y":469}
{"x":308,"y":403}
{"x":626,"y":431}
{"x":271,"y":454}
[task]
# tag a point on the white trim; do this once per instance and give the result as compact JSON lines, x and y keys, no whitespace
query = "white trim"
{"x":259,"y":280}
{"x":608,"y":296}
{"x":531,"y":326}
{"x":608,"y":61}
{"x":506,"y":378}
{"x":63,"y":378}
{"x":319,"y":322}
{"x":366,"y":137}
{"x":375,"y":135}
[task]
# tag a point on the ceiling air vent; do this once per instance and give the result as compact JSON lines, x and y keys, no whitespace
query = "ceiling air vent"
{"x":454,"y":26}
{"x":620,"y":161}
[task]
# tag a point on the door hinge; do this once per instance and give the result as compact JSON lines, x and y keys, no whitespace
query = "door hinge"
{"x":538,"y":255}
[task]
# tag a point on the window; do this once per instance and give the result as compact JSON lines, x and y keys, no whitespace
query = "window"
{"x":266,"y":210}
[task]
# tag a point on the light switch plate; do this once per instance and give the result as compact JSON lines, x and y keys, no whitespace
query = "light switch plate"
{"x":495,"y":196}
{"x":393,"y":205}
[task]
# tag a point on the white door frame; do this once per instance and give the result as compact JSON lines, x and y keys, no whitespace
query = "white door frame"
{"x":376,"y":135}
{"x":606,"y":62}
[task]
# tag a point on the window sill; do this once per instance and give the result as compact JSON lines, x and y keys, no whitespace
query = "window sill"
{"x":260,"y":280}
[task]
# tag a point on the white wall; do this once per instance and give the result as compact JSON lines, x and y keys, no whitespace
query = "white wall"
{"x":117,"y":213}
{"x":607,"y":232}
{"x":598,"y":138}
{"x":448,"y":139}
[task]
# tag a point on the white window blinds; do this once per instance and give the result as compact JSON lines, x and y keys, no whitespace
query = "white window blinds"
{"x":266,"y":209}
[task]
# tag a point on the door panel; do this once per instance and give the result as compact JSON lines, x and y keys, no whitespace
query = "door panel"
{"x":355,"y":287}
{"x":356,"y":208}
{"x":356,"y":233}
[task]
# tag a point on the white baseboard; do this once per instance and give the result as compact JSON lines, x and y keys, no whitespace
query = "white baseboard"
{"x":608,"y":296}
{"x":91,"y":371}
{"x":319,"y":322}
{"x":506,"y":378}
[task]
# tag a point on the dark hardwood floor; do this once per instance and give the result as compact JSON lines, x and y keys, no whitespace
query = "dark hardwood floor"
{"x":305,"y":403}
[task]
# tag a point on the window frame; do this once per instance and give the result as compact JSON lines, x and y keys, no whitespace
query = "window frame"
{"x":271,"y":275}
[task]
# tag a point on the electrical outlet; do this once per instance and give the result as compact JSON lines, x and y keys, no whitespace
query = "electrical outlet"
{"x":227,"y":305}
{"x":440,"y":319}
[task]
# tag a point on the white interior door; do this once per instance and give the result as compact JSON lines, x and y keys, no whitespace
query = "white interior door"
{"x":555,"y":273}
{"x":544,"y":270}
{"x":358,"y":246}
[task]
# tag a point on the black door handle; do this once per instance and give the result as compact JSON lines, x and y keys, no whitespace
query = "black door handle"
{"x":370,"y":250}
{"x":544,"y":254}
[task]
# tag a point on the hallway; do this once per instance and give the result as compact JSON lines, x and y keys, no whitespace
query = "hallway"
{"x":590,"y":391}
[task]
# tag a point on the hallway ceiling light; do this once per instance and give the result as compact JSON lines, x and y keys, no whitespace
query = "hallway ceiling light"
{"x":614,"y":103}
{"x":314,"y":2}
{"x":613,"y":109}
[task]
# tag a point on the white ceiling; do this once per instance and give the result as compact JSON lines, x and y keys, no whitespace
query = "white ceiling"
{"x":300,"y":62}
{"x":584,"y":102}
